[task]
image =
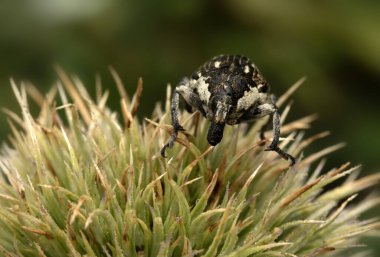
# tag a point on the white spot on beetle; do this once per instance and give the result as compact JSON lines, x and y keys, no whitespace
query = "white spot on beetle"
{"x":184,"y":91}
{"x":203,"y":92}
{"x":193,"y":83}
{"x":246,"y":69}
{"x":266,"y":109}
{"x":181,"y":88}
{"x":217,"y":64}
{"x":249,"y":98}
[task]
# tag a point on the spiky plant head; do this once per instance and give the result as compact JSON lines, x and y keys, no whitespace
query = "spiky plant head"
{"x":83,"y":180}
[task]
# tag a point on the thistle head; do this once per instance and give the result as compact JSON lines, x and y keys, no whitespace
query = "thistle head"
{"x":77,"y":180}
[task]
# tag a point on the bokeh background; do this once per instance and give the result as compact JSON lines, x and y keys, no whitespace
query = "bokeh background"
{"x":335,"y":43}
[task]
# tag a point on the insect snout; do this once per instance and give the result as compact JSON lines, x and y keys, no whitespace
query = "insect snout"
{"x":220,"y":108}
{"x":215,"y":133}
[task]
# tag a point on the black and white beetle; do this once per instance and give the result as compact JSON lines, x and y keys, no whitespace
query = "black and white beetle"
{"x":228,"y":89}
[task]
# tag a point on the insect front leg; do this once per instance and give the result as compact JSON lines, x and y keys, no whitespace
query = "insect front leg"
{"x":265,"y":127}
{"x":176,"y":126}
{"x":191,"y":99}
{"x":276,"y":138}
{"x":271,"y":110}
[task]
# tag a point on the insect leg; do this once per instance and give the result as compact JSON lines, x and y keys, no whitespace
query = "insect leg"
{"x":276,"y":138}
{"x":192,"y":101}
{"x":176,"y":126}
{"x":265,"y":127}
{"x":272,"y":110}
{"x":276,"y":128}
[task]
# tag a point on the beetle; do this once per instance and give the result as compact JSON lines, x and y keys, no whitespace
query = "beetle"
{"x":228,"y":89}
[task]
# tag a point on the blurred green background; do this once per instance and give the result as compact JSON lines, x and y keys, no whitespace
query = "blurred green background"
{"x":335,"y":43}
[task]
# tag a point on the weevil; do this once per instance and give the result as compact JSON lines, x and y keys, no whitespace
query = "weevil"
{"x":228,"y":89}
